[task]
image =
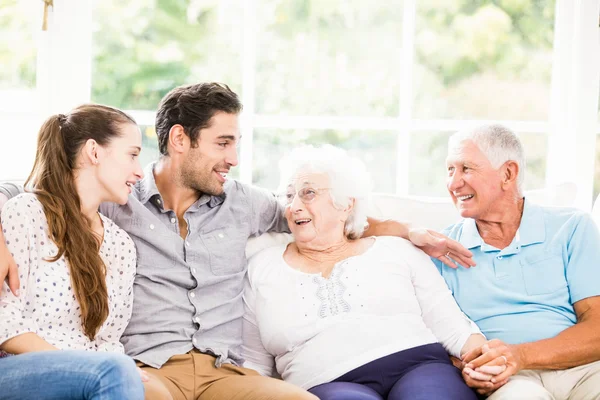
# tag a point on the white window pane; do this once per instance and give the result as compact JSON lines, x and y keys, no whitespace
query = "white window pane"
{"x":428,"y":151}
{"x":474,"y":57}
{"x":143,"y":49}
{"x":18,"y":21}
{"x":336,"y":57}
{"x":376,"y":149}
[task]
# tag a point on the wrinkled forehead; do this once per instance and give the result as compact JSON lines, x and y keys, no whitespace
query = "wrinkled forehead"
{"x":308,"y":179}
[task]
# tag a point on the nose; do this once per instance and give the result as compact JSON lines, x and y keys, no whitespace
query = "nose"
{"x":139,"y":172}
{"x":454,"y":182}
{"x":296,"y":204}
{"x":232,"y":157}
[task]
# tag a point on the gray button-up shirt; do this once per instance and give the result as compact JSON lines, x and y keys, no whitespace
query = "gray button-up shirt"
{"x":188,"y":293}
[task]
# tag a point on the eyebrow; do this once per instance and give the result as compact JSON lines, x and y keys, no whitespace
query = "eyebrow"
{"x":228,"y":137}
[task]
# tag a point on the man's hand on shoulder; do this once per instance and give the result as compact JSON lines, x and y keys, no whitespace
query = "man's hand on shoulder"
{"x":447,"y":250}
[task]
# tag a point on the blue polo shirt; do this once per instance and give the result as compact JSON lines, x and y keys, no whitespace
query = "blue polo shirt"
{"x":526,"y":291}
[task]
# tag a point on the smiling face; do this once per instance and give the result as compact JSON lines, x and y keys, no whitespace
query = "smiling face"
{"x":206,"y":165}
{"x":474,"y":185}
{"x":315,"y":220}
{"x":119,"y":167}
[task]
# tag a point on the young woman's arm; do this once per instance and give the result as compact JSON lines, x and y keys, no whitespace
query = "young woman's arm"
{"x":26,"y":343}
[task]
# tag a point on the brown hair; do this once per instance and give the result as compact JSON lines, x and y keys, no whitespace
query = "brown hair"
{"x":192,"y":107}
{"x":60,"y":140}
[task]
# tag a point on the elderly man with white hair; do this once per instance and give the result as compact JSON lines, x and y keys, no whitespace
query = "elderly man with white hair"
{"x":348,"y":317}
{"x":536,"y":289}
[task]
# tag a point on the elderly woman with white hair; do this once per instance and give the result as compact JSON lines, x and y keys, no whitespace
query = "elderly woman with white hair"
{"x":347,"y":317}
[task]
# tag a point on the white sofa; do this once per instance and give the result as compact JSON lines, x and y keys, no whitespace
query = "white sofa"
{"x":429,"y":212}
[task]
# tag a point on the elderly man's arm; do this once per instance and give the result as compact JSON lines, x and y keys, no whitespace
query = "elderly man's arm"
{"x":434,"y":244}
{"x":575,"y":346}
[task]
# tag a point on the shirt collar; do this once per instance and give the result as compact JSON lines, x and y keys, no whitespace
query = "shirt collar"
{"x":532,"y":228}
{"x":147,"y":188}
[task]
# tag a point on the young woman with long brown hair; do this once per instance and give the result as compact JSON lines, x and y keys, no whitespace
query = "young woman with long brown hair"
{"x":76,"y":267}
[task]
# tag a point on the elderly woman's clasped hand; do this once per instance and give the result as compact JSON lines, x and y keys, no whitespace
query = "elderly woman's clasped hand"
{"x":489,"y":367}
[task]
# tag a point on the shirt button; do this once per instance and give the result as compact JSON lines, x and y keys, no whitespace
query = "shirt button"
{"x":193,"y":270}
{"x":151,"y":226}
{"x":194,"y":340}
{"x":187,"y":243}
{"x":157,"y":201}
{"x":499,"y":257}
{"x":192,"y":294}
{"x":197,"y":319}
{"x":173,"y":220}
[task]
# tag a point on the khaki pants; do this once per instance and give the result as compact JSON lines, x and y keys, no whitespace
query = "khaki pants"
{"x":578,"y":383}
{"x":193,"y":376}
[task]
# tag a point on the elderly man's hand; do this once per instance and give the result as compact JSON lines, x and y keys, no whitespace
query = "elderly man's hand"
{"x":493,"y":363}
{"x":8,"y":269}
{"x":436,"y":245}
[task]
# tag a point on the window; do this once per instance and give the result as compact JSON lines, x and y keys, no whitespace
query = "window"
{"x":473,"y":56}
{"x":332,"y":58}
{"x":154,"y":46}
{"x":17,"y":54}
{"x":388,"y":81}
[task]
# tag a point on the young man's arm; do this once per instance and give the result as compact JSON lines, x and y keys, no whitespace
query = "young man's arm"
{"x":8,"y":267}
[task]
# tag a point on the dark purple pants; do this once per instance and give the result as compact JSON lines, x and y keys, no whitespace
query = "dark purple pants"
{"x":420,"y":373}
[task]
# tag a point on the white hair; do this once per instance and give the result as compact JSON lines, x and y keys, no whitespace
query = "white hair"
{"x":498,"y":143}
{"x":348,"y":180}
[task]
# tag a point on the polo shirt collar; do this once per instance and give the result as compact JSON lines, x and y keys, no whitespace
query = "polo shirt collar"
{"x":532,"y":228}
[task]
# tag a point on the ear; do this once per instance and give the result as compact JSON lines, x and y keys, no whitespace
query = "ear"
{"x":178,"y":140}
{"x":91,"y":151}
{"x":348,"y":209}
{"x":510,"y":173}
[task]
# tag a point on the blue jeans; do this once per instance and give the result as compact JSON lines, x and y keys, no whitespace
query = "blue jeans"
{"x":70,"y":375}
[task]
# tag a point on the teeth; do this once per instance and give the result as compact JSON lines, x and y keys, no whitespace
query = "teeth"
{"x":223,"y":174}
{"x":462,"y":198}
{"x":299,"y":221}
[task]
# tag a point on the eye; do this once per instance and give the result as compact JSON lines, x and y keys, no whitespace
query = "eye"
{"x":223,"y":144}
{"x":134,"y":155}
{"x":450,"y":170}
{"x":465,"y":168}
{"x":307,"y":193}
